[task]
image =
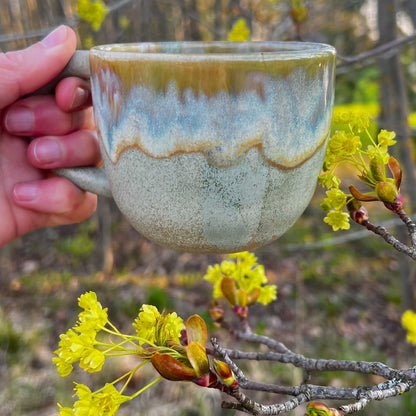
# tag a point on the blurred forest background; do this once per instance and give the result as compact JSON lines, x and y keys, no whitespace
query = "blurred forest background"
{"x":340,"y":295}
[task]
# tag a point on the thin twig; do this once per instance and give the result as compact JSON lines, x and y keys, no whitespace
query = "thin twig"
{"x":342,"y":239}
{"x":372,"y":395}
{"x":392,"y":46}
{"x":398,"y":382}
{"x":320,"y":364}
{"x":390,"y":239}
{"x":410,"y":224}
{"x":248,"y":335}
{"x":247,"y":405}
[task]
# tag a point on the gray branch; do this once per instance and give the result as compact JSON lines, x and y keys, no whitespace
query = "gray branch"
{"x":387,"y":50}
{"x":397,"y":381}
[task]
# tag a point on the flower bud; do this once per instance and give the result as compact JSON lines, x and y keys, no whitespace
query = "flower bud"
{"x":353,"y":205}
{"x":240,"y":311}
{"x":209,"y":380}
{"x":386,"y":192}
{"x":377,"y":169}
{"x":396,"y":205}
{"x":225,"y":373}
{"x":217,"y":312}
{"x":319,"y":409}
{"x":184,"y":337}
{"x":360,"y":215}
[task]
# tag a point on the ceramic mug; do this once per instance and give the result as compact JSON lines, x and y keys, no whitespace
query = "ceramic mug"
{"x":210,"y":147}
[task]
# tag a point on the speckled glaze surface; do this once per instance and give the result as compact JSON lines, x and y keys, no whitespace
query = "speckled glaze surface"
{"x":213,"y":147}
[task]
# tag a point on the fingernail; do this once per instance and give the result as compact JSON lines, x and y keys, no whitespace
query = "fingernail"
{"x":20,"y":120}
{"x":47,"y":151}
{"x":55,"y":37}
{"x":25,"y":192}
{"x":79,"y":98}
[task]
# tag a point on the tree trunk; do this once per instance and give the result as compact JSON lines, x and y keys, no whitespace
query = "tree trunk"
{"x":104,"y":239}
{"x":217,"y":20}
{"x":394,"y":116}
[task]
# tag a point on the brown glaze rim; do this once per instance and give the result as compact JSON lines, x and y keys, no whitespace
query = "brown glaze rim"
{"x":259,"y":147}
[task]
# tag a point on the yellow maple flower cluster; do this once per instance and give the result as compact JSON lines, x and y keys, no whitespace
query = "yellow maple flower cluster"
{"x":239,"y":32}
{"x":409,"y":324}
{"x":93,"y":11}
{"x":80,"y":344}
{"x":158,"y":328}
{"x":176,"y":350}
{"x":345,"y":147}
{"x":241,"y":281}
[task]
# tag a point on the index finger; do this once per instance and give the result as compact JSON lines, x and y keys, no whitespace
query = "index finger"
{"x":24,"y":71}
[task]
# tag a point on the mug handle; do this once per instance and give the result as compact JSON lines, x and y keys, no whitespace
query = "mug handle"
{"x":89,"y":179}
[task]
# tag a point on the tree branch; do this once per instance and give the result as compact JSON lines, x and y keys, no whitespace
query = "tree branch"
{"x":388,"y":238}
{"x":410,"y":224}
{"x":250,"y":336}
{"x":372,"y":395}
{"x":389,"y":48}
{"x":320,"y":364}
{"x":398,"y":383}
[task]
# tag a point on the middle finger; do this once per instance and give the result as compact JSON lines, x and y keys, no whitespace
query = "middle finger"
{"x":40,"y":116}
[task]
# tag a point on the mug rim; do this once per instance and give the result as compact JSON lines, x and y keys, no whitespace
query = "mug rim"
{"x":215,"y":50}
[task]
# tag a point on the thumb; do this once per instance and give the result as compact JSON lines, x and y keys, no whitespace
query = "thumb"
{"x":25,"y":71}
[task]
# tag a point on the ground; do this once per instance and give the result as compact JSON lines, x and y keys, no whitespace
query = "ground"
{"x":337,"y":301}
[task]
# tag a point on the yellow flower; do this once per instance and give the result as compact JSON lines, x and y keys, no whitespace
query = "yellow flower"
{"x":409,"y":324}
{"x":242,"y":279}
{"x":214,"y":275}
{"x":169,"y":328}
{"x":343,"y":144}
{"x":329,"y":180}
{"x":92,"y":360}
{"x":154,"y":327}
{"x":378,"y":152}
{"x":248,"y":259}
{"x":239,"y":31}
{"x":336,"y":198}
{"x":64,"y":367}
{"x":94,"y":317}
{"x":92,"y":11}
{"x":145,"y":323}
{"x":104,"y":402}
{"x":343,"y":117}
{"x":338,"y":220}
{"x":228,"y":268}
{"x":66,"y":411}
{"x":386,"y":138}
{"x":360,"y":123}
{"x":77,"y":347}
{"x":267,"y":294}
{"x":72,"y":345}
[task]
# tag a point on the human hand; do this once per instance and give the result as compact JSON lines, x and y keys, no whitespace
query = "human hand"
{"x":31,"y":196}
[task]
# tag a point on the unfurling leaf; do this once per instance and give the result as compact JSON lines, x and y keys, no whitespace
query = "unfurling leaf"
{"x":197,"y":356}
{"x":358,"y":195}
{"x":196,"y":330}
{"x":171,"y":368}
{"x":229,"y":290}
{"x":395,"y":170}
